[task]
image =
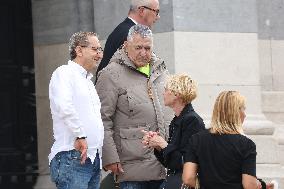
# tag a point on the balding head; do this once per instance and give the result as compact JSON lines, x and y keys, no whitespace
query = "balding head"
{"x":145,"y":12}
{"x":135,"y":4}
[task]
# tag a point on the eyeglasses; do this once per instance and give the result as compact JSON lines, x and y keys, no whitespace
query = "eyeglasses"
{"x":157,"y":11}
{"x":97,"y":49}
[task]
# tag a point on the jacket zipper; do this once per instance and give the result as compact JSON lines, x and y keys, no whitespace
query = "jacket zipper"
{"x":149,"y":89}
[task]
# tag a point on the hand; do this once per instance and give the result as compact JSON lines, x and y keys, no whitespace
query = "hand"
{"x":116,"y":168}
{"x":145,"y":139}
{"x":82,"y":146}
{"x":147,"y":136}
{"x":157,"y":142}
{"x":269,"y":186}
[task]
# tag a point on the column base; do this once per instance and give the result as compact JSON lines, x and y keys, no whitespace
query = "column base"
{"x":44,"y":182}
{"x":269,"y":172}
{"x":258,"y":125}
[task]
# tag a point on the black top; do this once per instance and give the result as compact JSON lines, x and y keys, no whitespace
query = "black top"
{"x":114,"y":41}
{"x":222,"y":159}
{"x":182,"y":127}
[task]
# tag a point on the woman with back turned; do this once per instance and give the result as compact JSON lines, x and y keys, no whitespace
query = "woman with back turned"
{"x":222,"y":156}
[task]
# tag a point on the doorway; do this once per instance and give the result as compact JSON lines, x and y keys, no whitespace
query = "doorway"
{"x":18,"y":134}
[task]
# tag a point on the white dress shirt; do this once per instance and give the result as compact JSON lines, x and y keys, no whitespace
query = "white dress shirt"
{"x":75,"y":108}
{"x":135,"y":22}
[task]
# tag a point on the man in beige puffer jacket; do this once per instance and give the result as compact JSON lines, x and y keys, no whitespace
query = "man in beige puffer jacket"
{"x":131,"y":92}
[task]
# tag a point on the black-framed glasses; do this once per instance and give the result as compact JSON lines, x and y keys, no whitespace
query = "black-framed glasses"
{"x":97,"y":49}
{"x":157,"y":11}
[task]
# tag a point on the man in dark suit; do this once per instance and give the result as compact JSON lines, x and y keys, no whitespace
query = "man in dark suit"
{"x":144,"y":12}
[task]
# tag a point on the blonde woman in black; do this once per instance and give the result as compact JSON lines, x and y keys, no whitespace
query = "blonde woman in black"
{"x":180,"y":91}
{"x":222,"y":156}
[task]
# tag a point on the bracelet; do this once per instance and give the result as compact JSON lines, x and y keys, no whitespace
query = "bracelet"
{"x":78,"y":138}
{"x":184,"y":186}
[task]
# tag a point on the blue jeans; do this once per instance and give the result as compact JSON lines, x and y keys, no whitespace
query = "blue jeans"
{"x":152,"y":184}
{"x":67,"y":172}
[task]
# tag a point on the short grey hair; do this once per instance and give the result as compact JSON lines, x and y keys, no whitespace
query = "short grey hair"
{"x":135,"y":4}
{"x":79,"y":39}
{"x":142,"y":30}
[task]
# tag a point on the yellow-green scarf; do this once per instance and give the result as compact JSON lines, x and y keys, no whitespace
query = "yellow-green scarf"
{"x":145,"y":70}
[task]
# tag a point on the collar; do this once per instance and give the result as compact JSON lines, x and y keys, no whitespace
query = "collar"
{"x":145,"y":70}
{"x":186,"y":109}
{"x":80,"y":69}
{"x":135,"y":22}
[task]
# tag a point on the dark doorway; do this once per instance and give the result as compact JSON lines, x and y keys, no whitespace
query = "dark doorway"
{"x":18,"y":135}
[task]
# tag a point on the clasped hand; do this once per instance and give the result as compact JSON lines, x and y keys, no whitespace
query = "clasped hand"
{"x":152,"y":139}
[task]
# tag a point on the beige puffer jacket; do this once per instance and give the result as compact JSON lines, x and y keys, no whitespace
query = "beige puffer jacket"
{"x":132,"y":102}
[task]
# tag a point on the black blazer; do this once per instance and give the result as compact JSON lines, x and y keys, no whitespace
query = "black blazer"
{"x":114,"y":41}
{"x":182,"y":127}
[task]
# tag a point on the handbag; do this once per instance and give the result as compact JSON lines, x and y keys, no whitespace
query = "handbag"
{"x":173,"y":181}
{"x":197,"y":184}
{"x":109,"y":182}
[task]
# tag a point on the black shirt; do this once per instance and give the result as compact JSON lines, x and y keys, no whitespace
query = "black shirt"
{"x":222,"y":159}
{"x":114,"y":41}
{"x":182,"y":127}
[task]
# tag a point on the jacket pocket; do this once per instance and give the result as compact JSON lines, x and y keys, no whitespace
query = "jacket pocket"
{"x":140,"y":105}
{"x":131,"y":148}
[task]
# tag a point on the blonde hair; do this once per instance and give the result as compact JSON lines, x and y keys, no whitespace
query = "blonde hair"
{"x":226,"y":117}
{"x":182,"y":85}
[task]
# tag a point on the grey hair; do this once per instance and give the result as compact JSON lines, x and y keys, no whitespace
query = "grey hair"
{"x":142,"y":30}
{"x":135,"y":4}
{"x":79,"y":39}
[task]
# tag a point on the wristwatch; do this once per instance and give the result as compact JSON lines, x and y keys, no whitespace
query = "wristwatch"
{"x":78,"y":138}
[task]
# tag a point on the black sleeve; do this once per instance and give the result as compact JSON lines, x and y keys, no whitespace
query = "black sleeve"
{"x":249,"y":158}
{"x":114,"y":41}
{"x":191,"y":155}
{"x":160,"y":157}
{"x":263,"y":184}
{"x":174,"y":153}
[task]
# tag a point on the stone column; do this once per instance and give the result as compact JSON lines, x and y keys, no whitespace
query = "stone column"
{"x":53,"y":24}
{"x":271,"y":47}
